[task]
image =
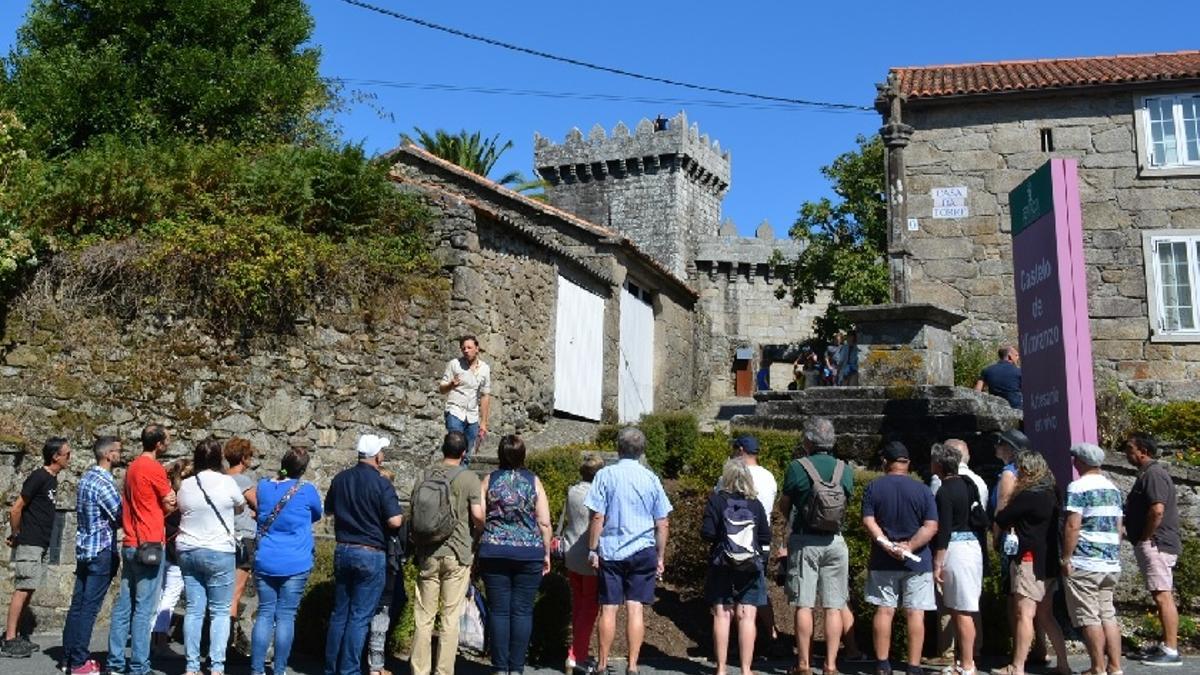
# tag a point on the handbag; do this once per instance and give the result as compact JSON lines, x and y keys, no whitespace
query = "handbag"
{"x":558,"y":543}
{"x":472,"y":633}
{"x":239,"y":548}
{"x":287,"y":496}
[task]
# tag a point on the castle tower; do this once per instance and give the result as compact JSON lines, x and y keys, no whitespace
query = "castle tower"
{"x":661,"y":185}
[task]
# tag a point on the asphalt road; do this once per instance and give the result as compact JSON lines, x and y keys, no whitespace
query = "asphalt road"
{"x":43,"y":663}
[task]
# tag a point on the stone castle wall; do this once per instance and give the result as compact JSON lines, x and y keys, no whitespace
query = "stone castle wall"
{"x":966,"y":264}
{"x":661,"y":188}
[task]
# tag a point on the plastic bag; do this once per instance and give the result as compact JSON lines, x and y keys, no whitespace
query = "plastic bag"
{"x":472,"y":632}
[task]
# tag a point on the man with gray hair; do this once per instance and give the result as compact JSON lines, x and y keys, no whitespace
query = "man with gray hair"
{"x":818,"y":560}
{"x":1091,"y":557}
{"x":627,"y":542}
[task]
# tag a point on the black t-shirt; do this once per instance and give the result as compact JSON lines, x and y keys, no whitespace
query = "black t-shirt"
{"x":1034,"y":515}
{"x":1003,"y":379}
{"x":1153,"y":486}
{"x":954,"y":510}
{"x":37,"y":518}
{"x":361,"y":501}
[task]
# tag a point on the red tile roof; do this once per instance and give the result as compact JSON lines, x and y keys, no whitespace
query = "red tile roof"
{"x":967,"y":79}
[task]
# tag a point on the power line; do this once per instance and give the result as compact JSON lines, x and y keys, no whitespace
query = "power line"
{"x":582,"y":96}
{"x":594,"y":66}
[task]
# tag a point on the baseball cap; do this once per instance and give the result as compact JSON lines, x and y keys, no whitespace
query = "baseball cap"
{"x":369,"y":445}
{"x":1015,"y":439}
{"x":1088,"y":453}
{"x":894,"y":450}
{"x":747,"y":443}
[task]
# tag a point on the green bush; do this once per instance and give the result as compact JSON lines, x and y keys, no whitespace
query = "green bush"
{"x":706,"y":461}
{"x":970,"y":358}
{"x":687,"y":554}
{"x":245,"y":237}
{"x":1187,"y":573}
{"x":558,"y":469}
{"x":682,"y":433}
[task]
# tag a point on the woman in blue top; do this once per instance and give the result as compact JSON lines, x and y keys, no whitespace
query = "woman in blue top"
{"x":514,"y":553}
{"x":287,"y":509}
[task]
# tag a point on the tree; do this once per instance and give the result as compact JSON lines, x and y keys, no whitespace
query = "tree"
{"x":847,"y":241}
{"x":469,"y":150}
{"x":148,"y":69}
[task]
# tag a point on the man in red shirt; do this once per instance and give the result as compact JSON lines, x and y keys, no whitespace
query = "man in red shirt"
{"x":146,"y":499}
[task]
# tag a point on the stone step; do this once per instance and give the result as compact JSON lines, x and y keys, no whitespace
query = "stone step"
{"x":832,"y":407}
{"x":897,"y":392}
{"x":949,"y":425}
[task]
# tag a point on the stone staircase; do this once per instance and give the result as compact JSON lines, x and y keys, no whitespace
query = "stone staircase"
{"x":865,"y":417}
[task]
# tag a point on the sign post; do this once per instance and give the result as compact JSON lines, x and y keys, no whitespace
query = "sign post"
{"x":1053,"y":336}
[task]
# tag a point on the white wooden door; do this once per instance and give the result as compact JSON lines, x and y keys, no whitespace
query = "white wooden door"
{"x":635,"y":388}
{"x":578,"y":351}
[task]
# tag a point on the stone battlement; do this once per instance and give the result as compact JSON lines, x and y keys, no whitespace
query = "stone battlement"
{"x":675,"y":146}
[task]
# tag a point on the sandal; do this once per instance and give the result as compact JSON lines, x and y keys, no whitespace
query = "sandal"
{"x":1006,"y":670}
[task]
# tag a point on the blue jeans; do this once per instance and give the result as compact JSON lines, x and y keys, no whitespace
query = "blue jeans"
{"x":92,"y":578}
{"x":208,"y":585}
{"x":278,"y":598}
{"x":468,"y":429}
{"x":358,"y":576}
{"x":511,"y":587}
{"x":132,"y":613}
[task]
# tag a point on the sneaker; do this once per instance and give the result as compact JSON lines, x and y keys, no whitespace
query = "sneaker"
{"x":16,"y":649}
{"x":1144,"y":653}
{"x":1163,"y":659}
{"x":33,"y":645}
{"x":89,"y":667}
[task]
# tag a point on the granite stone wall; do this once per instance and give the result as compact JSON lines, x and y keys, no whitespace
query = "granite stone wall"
{"x":965,"y":264}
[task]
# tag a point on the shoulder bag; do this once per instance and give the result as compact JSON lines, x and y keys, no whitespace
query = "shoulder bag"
{"x":287,"y":496}
{"x":238,"y":548}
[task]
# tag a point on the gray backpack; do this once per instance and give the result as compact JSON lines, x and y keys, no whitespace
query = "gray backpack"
{"x":433,"y":519}
{"x":826,"y":506}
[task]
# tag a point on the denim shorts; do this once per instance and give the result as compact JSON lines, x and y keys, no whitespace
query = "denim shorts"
{"x":727,"y":586}
{"x":629,"y":580}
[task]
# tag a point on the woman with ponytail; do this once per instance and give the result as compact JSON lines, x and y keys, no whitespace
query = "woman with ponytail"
{"x":287,"y":509}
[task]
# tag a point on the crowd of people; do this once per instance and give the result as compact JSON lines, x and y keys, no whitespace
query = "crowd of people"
{"x":175,"y":530}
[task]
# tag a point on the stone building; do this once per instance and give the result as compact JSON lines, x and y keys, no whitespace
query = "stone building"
{"x":661,"y":185}
{"x":960,"y":137}
{"x":576,"y":317}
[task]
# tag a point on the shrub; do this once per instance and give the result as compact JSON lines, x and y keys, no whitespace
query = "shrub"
{"x":1187,"y":573}
{"x":656,"y":442}
{"x":706,"y":462}
{"x":970,"y":358}
{"x":687,"y":554}
{"x":558,"y":469}
{"x":682,"y":432}
{"x":245,"y":237}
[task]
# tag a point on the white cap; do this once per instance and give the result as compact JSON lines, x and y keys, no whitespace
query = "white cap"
{"x":369,"y":445}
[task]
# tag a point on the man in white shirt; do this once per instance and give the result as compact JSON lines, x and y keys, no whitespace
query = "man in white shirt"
{"x":945,"y":636}
{"x":467,"y":384}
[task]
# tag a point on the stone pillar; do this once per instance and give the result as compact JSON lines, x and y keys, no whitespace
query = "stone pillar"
{"x":895,"y":136}
{"x":904,"y":344}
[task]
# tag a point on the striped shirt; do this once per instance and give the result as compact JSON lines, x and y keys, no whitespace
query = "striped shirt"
{"x":97,"y":513}
{"x":631,"y":499}
{"x":1099,"y":502}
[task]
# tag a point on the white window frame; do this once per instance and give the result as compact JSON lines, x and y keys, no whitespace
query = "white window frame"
{"x":1145,"y":140}
{"x":1154,"y":295}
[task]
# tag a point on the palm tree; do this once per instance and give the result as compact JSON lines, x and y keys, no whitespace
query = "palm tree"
{"x":469,"y":150}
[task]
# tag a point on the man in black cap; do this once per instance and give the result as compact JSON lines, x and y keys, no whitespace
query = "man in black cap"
{"x":901,"y":517}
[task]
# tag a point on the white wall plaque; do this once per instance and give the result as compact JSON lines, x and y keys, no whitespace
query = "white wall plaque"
{"x":950,"y":202}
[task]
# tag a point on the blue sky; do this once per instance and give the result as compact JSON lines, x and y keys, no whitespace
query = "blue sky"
{"x":817,"y":51}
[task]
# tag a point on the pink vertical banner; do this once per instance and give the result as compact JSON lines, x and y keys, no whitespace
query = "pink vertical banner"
{"x":1053,"y":336}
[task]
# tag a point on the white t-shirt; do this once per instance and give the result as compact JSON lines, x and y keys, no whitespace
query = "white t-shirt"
{"x":765,"y":486}
{"x":199,"y":526}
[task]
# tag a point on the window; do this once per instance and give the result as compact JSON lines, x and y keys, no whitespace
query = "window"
{"x":1172,"y":130}
{"x":1173,"y":270}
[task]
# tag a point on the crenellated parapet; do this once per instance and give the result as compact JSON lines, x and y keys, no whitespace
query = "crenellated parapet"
{"x":653,"y":146}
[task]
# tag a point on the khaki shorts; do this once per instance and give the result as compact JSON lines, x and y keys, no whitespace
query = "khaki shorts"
{"x":1026,"y":584}
{"x":1090,"y":597}
{"x":885,"y":588}
{"x":1157,"y":567}
{"x":29,"y":567}
{"x":818,"y":571}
